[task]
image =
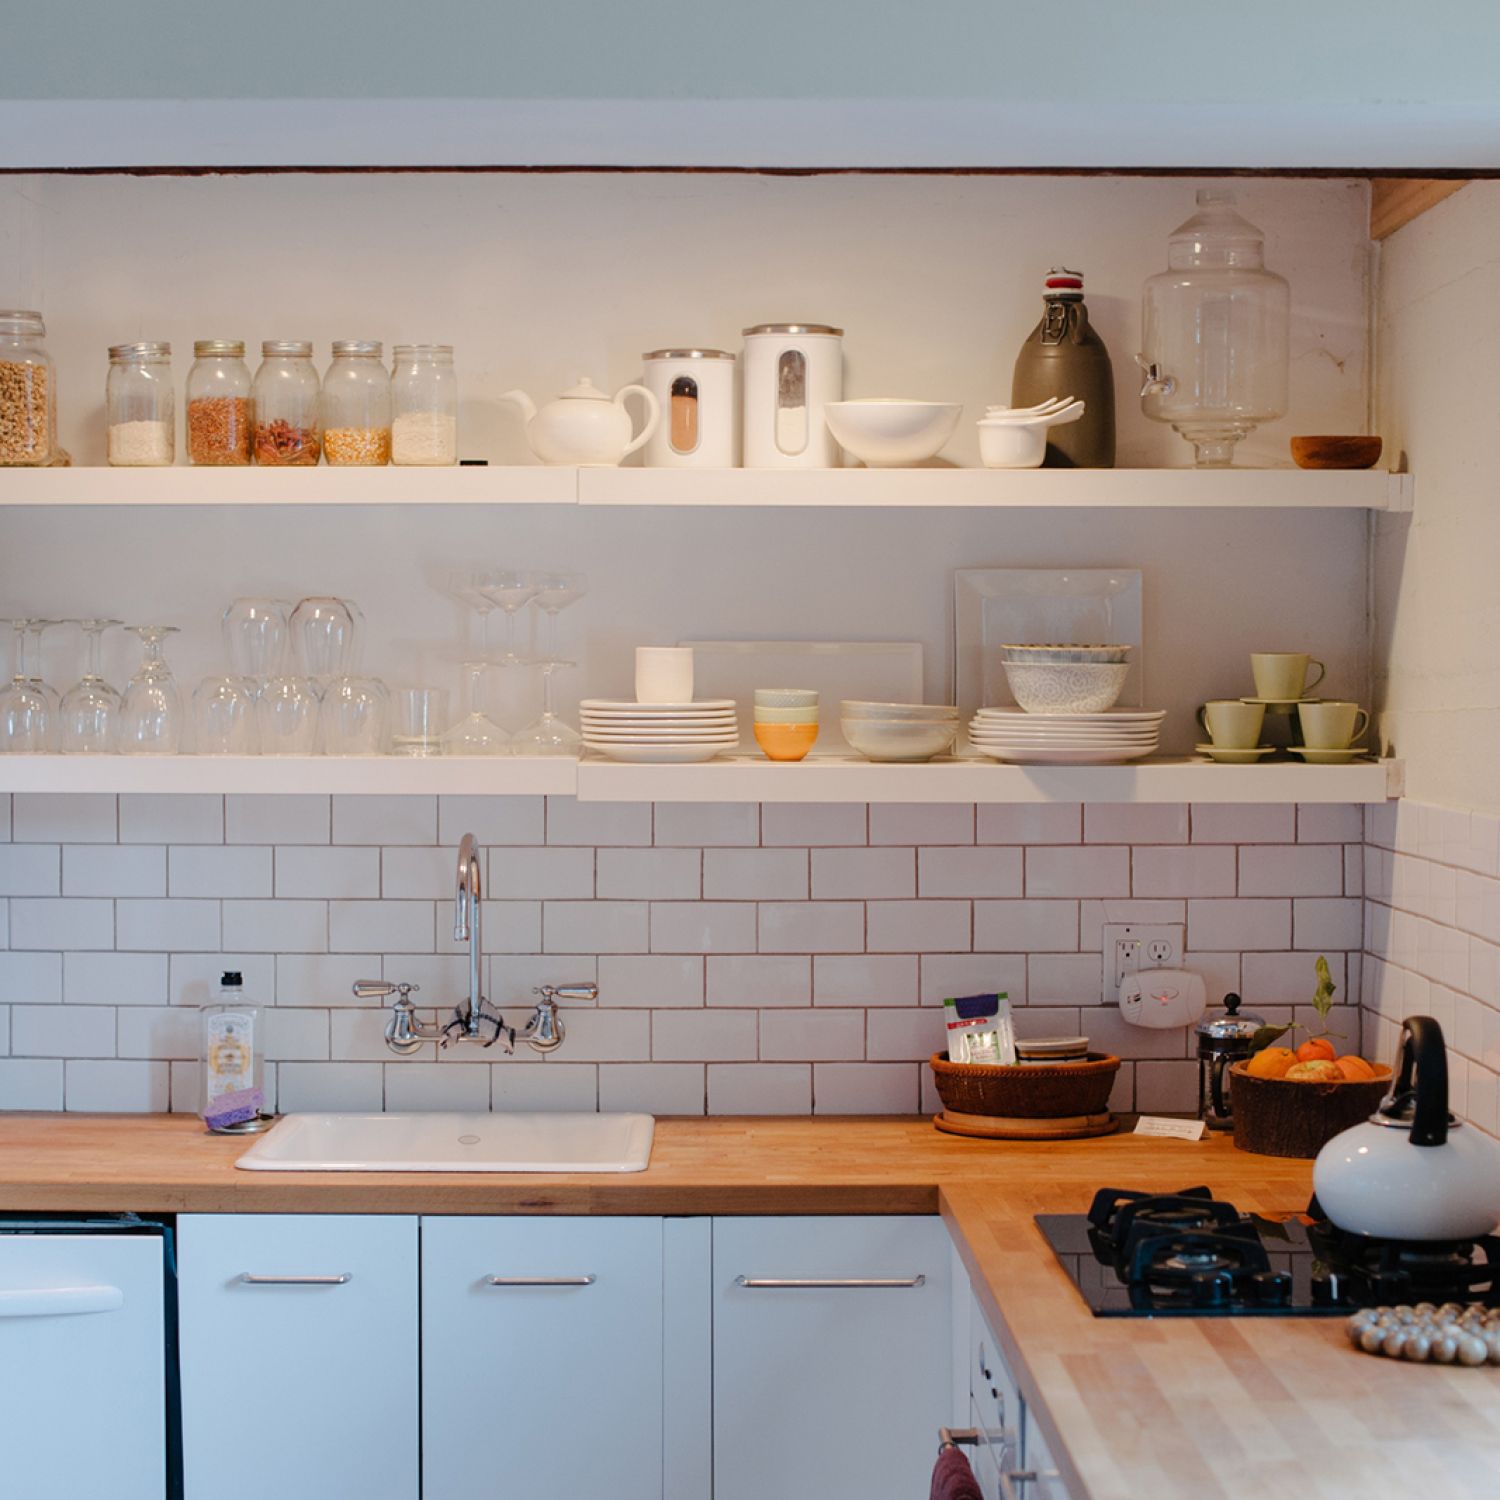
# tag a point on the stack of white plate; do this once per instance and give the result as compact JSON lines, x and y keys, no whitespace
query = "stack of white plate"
{"x":659,"y":733}
{"x":1066,"y":739}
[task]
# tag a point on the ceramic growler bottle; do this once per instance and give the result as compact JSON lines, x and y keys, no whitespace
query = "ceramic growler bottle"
{"x":1065,"y":357}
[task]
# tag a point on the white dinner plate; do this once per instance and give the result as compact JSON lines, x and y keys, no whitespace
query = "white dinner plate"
{"x":661,"y":739}
{"x":1056,"y":736}
{"x":660,"y":755}
{"x":1078,"y":731}
{"x":1109,"y":716}
{"x":626,"y":705}
{"x":661,"y":723}
{"x":1062,"y":757}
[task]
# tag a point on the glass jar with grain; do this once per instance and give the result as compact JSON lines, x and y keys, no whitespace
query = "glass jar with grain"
{"x":357,"y":405}
{"x":28,"y":391}
{"x":218,"y":403}
{"x":424,"y":405}
{"x":139,"y":410}
{"x":285,"y":397}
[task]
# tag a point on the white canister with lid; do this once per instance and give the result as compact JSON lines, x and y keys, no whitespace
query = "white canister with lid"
{"x":792,"y":371}
{"x":700,"y":417}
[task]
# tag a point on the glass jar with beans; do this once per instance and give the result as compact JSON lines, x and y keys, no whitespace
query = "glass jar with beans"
{"x":357,"y":405}
{"x":28,"y":391}
{"x":285,"y":398}
{"x":218,"y":403}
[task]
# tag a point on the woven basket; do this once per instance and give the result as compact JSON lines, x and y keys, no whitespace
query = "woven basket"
{"x":1275,"y":1117}
{"x":1029,"y":1091}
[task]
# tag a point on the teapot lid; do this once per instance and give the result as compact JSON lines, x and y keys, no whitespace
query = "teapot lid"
{"x":585,"y":390}
{"x":1231,"y":1025}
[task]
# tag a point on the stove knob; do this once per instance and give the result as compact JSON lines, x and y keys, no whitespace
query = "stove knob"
{"x":1211,"y":1288}
{"x":1272,"y":1288}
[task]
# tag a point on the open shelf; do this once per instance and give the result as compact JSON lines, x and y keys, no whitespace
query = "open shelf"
{"x":728,"y":779}
{"x":536,"y":484}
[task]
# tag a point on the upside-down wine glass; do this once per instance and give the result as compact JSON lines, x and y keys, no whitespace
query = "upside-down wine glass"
{"x":151,"y":710}
{"x":25,"y":714}
{"x":90,"y":709}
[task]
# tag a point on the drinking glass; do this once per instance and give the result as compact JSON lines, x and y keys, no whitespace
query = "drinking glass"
{"x":25,"y":713}
{"x":323,"y":638}
{"x":352,"y":717}
{"x":256,"y":635}
{"x":421,"y":714}
{"x":554,"y":593}
{"x":549,"y":735}
{"x":286,"y":716}
{"x":475,"y":734}
{"x":468,"y":587}
{"x":224,"y":717}
{"x":90,"y":709}
{"x":151,"y":710}
{"x":511,"y":591}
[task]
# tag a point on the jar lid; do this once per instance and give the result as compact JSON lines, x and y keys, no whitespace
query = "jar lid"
{"x":277,"y":348}
{"x":1052,"y":1046}
{"x":1231,"y":1025}
{"x":361,"y":347}
{"x":218,"y":348}
{"x":818,"y":328}
{"x":18,"y":320}
{"x":688,"y":354}
{"x":421,"y":351}
{"x":139,"y":351}
{"x":1063,"y":285}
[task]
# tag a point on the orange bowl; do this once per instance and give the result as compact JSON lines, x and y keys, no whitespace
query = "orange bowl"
{"x":785,"y":741}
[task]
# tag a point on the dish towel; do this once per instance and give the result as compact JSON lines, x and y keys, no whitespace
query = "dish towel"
{"x":953,"y":1479}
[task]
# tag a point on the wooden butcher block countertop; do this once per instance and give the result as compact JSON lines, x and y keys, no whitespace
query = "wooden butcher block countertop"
{"x":1135,"y":1408}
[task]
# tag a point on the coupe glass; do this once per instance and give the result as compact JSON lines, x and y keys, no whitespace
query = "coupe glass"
{"x":286,"y":716}
{"x":352,"y":719}
{"x":549,"y":735}
{"x":90,"y":709}
{"x":469,"y":588}
{"x":510,"y":591}
{"x":151,"y":710}
{"x":323,"y":638}
{"x":554,"y":593}
{"x":224,"y":717}
{"x":475,"y":734}
{"x":25,"y":713}
{"x":256,"y":635}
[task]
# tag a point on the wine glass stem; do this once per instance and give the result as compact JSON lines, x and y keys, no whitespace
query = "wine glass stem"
{"x":552,"y":634}
{"x":21,"y":674}
{"x":510,"y":635}
{"x":92,"y":651}
{"x":475,"y":672}
{"x":547,"y":675}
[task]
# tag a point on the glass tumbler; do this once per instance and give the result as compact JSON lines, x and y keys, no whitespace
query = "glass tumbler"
{"x":256,"y":634}
{"x":323,"y":637}
{"x":419,"y":719}
{"x":224,"y":717}
{"x":286,"y":716}
{"x":352,"y":717}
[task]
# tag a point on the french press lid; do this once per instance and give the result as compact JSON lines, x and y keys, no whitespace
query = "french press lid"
{"x":1231,"y":1025}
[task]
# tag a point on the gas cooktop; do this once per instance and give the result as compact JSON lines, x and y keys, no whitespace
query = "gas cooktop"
{"x":1189,"y":1254}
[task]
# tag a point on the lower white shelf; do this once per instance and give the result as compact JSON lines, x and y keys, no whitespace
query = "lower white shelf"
{"x":728,"y":779}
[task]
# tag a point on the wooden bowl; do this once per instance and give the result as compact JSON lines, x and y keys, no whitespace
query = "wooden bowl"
{"x":1277,"y":1117}
{"x":1029,"y":1091}
{"x":1336,"y":452}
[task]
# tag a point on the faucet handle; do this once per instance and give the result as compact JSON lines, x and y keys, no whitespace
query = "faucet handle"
{"x":378,"y":989}
{"x":583,"y":994}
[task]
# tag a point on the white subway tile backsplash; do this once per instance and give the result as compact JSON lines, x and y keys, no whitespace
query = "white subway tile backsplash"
{"x":647,"y":874}
{"x":760,"y":1089}
{"x":34,"y":978}
{"x":1192,"y":870}
{"x":4,"y":817}
{"x":279,"y":927}
{"x":1243,"y":822}
{"x":1094,"y":916}
{"x":216,"y":870}
{"x":1029,"y":823}
{"x":866,"y":979}
{"x":323,"y":1086}
{"x":33,"y":870}
{"x":707,"y":823}
{"x":945,"y":975}
{"x":760,"y":979}
{"x":296,"y":1035}
{"x":983,"y":871}
{"x":1285,"y":978}
{"x":813,"y":825}
{"x":313,"y":873}
{"x":384,"y":820}
{"x":755,"y":874}
{"x":64,"y":924}
{"x":541,"y":874}
{"x":430,"y":1085}
{"x":1064,"y":978}
{"x":1135,"y":823}
{"x":176,"y":925}
{"x":803,"y":1035}
{"x":193,"y":978}
{"x":812,"y":927}
{"x":904,"y":1035}
{"x":865,"y":1088}
{"x":1166,"y":1087}
{"x":171,"y":818}
{"x":919,"y":927}
{"x":594,"y":927}
{"x":606,"y":1036}
{"x":649,"y":979}
{"x":1292,"y":870}
{"x":1026,"y":926}
{"x":364,"y":926}
{"x":656,"y":1088}
{"x":165,"y":1031}
{"x":515,"y":976}
{"x":1101,"y":870}
{"x":1327,"y":922}
{"x":596,"y":824}
{"x":703,"y":1035}
{"x":1330,"y":823}
{"x":115,"y":1087}
{"x":359,"y":1035}
{"x":1260,"y":923}
{"x":64,"y":818}
{"x":62,"y":1031}
{"x":1220,"y":971}
{"x":492,"y":820}
{"x":417,"y":874}
{"x":558,"y":1086}
{"x":297,"y":819}
{"x":324,"y":979}
{"x":118,"y":870}
{"x":863,"y":874}
{"x":112,"y":978}
{"x":31,"y":1083}
{"x":509,"y":927}
{"x":921,"y":823}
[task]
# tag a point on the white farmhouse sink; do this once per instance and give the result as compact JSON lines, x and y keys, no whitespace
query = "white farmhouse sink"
{"x":454,"y":1143}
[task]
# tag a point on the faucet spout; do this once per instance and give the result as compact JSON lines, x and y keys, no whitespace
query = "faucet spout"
{"x":467,"y":926}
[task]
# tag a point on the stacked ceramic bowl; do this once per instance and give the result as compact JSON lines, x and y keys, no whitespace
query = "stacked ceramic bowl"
{"x":786,"y":721}
{"x":659,"y":733}
{"x":899,"y":731}
{"x":1066,"y":679}
{"x":1083,"y":739}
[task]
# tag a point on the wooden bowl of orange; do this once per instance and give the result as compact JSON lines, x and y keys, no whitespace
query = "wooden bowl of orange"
{"x":1289,"y":1103}
{"x":785,"y":741}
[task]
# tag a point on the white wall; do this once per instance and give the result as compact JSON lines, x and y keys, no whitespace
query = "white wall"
{"x":1437,"y":606}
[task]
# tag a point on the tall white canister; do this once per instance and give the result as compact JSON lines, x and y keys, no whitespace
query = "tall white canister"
{"x":792,"y":371}
{"x":700,"y":425}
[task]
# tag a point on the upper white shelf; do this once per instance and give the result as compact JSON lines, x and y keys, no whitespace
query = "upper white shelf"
{"x":535,"y":484}
{"x":747,"y":778}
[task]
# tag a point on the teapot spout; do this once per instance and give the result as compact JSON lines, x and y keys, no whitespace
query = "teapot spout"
{"x":523,"y":401}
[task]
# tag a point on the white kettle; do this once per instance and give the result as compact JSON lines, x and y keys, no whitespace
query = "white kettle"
{"x":1412,"y":1171}
{"x":585,"y":426}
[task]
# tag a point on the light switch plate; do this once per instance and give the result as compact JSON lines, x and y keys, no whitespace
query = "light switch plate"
{"x":1130,"y":947}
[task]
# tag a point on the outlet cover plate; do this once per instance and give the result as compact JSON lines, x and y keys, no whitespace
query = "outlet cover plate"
{"x":1130,"y":947}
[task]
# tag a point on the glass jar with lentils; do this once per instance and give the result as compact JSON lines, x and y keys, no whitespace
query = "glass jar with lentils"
{"x":218,"y":403}
{"x":28,"y":391}
{"x":285,"y":398}
{"x":357,"y":405}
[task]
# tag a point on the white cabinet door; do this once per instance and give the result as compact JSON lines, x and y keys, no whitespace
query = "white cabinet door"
{"x":82,"y":1367}
{"x":299,"y":1356}
{"x":832,"y":1391}
{"x":997,"y":1399}
{"x":1040,"y":1479}
{"x":542,"y":1358}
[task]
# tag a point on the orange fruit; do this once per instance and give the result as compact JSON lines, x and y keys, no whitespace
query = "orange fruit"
{"x":1271,"y":1062}
{"x":1317,"y":1049}
{"x":1319,"y":1070}
{"x":1355,"y":1069}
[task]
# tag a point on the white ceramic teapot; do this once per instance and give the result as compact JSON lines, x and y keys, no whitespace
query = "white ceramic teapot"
{"x":585,"y":426}
{"x":1412,"y":1171}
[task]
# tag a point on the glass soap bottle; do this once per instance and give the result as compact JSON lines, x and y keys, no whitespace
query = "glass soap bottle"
{"x":424,"y":405}
{"x":1214,"y":333}
{"x":357,"y":405}
{"x":218,"y":404}
{"x":140,"y":411}
{"x":285,"y":399}
{"x":28,"y":391}
{"x":234,"y":1061}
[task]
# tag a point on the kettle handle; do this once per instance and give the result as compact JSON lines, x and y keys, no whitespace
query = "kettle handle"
{"x":653,"y":415}
{"x":1423,"y":1068}
{"x":1216,"y":1084}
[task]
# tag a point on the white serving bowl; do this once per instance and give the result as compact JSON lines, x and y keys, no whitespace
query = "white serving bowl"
{"x":892,"y":434}
{"x":911,"y":739}
{"x":857,"y":708}
{"x":1066,"y":687}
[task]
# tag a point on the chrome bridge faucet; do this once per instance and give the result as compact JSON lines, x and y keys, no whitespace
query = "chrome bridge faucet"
{"x":474,"y":1019}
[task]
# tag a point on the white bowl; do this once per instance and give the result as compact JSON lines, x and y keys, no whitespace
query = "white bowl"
{"x":1055,"y":653}
{"x":1066,"y":687}
{"x":1003,"y":445}
{"x":891,"y":434}
{"x":912,"y":740}
{"x":786,"y":697}
{"x":858,"y":708}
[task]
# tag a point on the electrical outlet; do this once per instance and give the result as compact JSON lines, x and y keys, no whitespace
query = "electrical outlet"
{"x":1131,"y":947}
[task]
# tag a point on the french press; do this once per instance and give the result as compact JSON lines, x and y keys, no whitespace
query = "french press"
{"x":1223,"y":1038}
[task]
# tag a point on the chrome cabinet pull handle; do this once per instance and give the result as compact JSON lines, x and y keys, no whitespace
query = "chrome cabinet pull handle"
{"x":775,"y":1283}
{"x":504,"y":1281}
{"x":250,"y":1280}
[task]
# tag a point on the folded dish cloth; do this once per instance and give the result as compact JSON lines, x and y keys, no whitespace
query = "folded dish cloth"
{"x":953,"y":1479}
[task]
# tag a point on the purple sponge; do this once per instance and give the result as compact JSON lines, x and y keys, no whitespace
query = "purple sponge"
{"x":234,"y":1108}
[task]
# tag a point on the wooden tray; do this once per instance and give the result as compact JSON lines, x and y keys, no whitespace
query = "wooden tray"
{"x":1014,"y":1128}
